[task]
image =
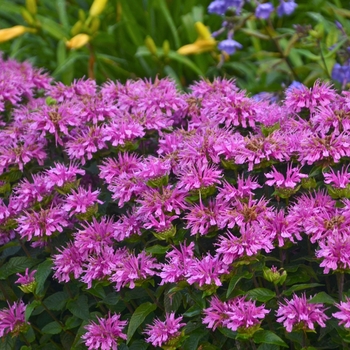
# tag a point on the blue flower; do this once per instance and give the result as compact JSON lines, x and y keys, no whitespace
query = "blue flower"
{"x":264,"y":11}
{"x":229,"y":46}
{"x":286,"y":8}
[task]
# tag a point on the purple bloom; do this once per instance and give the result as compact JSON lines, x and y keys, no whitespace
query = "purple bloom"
{"x":344,"y":314}
{"x":105,"y":333}
{"x":229,"y":46}
{"x":293,"y":177}
{"x":12,"y":320}
{"x":81,"y":201}
{"x":236,"y":314}
{"x":161,"y":333}
{"x":299,"y":313}
{"x":67,"y":263}
{"x":263,"y":11}
{"x":286,"y":8}
{"x":26,"y":278}
{"x":339,"y":179}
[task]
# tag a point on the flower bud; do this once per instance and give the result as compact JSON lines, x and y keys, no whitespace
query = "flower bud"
{"x":97,"y":7}
{"x":94,"y":25}
{"x":274,"y":276}
{"x":27,"y":16}
{"x":31,"y":6}
{"x":78,"y":41}
{"x":166,"y":235}
{"x":77,"y":28}
{"x":13,"y":32}
{"x":166,"y":48}
{"x":151,"y":46}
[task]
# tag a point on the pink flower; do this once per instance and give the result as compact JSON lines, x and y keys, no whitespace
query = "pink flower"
{"x":162,"y":332}
{"x":178,"y":262}
{"x":339,"y":179}
{"x":132,"y":269}
{"x":12,"y":320}
{"x":41,"y":224}
{"x":206,"y":272}
{"x":236,"y":314}
{"x":81,"y":200}
{"x":61,"y":174}
{"x":105,"y":333}
{"x":27,"y":278}
{"x":67,"y":263}
{"x":293,"y":177}
{"x":335,"y":251}
{"x":94,"y":236}
{"x":344,"y":314}
{"x":299,"y":313}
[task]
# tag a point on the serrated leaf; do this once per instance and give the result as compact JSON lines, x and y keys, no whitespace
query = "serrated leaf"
{"x":158,"y":249}
{"x":138,"y":345}
{"x":16,"y":264}
{"x":303,"y":286}
{"x":172,"y":301}
{"x":193,"y":340}
{"x":52,"y":328}
{"x":227,"y":332}
{"x":30,"y":308}
{"x":43,"y":271}
{"x":261,"y":294}
{"x":56,"y":301}
{"x":138,"y":317}
{"x":322,"y":297}
{"x":79,"y":307}
{"x":235,"y":279}
{"x":268,"y":337}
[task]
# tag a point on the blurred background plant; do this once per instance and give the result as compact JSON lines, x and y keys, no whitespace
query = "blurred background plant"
{"x":116,"y":39}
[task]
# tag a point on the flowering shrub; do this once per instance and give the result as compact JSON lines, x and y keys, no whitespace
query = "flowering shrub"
{"x":135,"y":216}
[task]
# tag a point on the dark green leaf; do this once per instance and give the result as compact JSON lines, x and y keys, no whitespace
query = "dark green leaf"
{"x":261,"y":294}
{"x":227,"y":332}
{"x":157,"y":249}
{"x":268,"y":337}
{"x":303,"y":286}
{"x":43,"y":271}
{"x":193,"y":340}
{"x":16,"y":264}
{"x":30,"y":308}
{"x":138,"y":317}
{"x":138,"y":345}
{"x":235,"y":279}
{"x":79,"y":307}
{"x":56,"y":301}
{"x":172,"y":301}
{"x":52,"y":328}
{"x":322,"y":297}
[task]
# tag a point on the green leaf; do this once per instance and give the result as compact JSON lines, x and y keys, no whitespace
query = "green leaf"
{"x":30,"y":308}
{"x":268,"y":337}
{"x":193,"y":340}
{"x":138,"y":317}
{"x":322,"y":297}
{"x":52,"y":328}
{"x":164,"y":9}
{"x":172,"y":301}
{"x":79,"y":307}
{"x":235,"y":279}
{"x":303,"y":286}
{"x":185,"y":61}
{"x":56,"y":301}
{"x":138,"y":345}
{"x":194,"y":310}
{"x":53,"y":28}
{"x":7,"y":342}
{"x":72,"y":322}
{"x":43,"y":271}
{"x":261,"y":294}
{"x":157,"y":249}
{"x":227,"y":332}
{"x":16,"y":264}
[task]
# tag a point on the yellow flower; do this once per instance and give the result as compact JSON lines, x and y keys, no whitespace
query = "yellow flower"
{"x":11,"y":33}
{"x":97,"y":7}
{"x":205,"y":42}
{"x":78,"y":41}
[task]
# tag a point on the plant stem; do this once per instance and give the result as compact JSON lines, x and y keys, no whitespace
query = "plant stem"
{"x":340,"y":281}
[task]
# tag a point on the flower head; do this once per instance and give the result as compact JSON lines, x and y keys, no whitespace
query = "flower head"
{"x":164,"y":332}
{"x":27,"y":281}
{"x":105,"y":333}
{"x":12,"y":320}
{"x":344,"y":314}
{"x":299,"y":313}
